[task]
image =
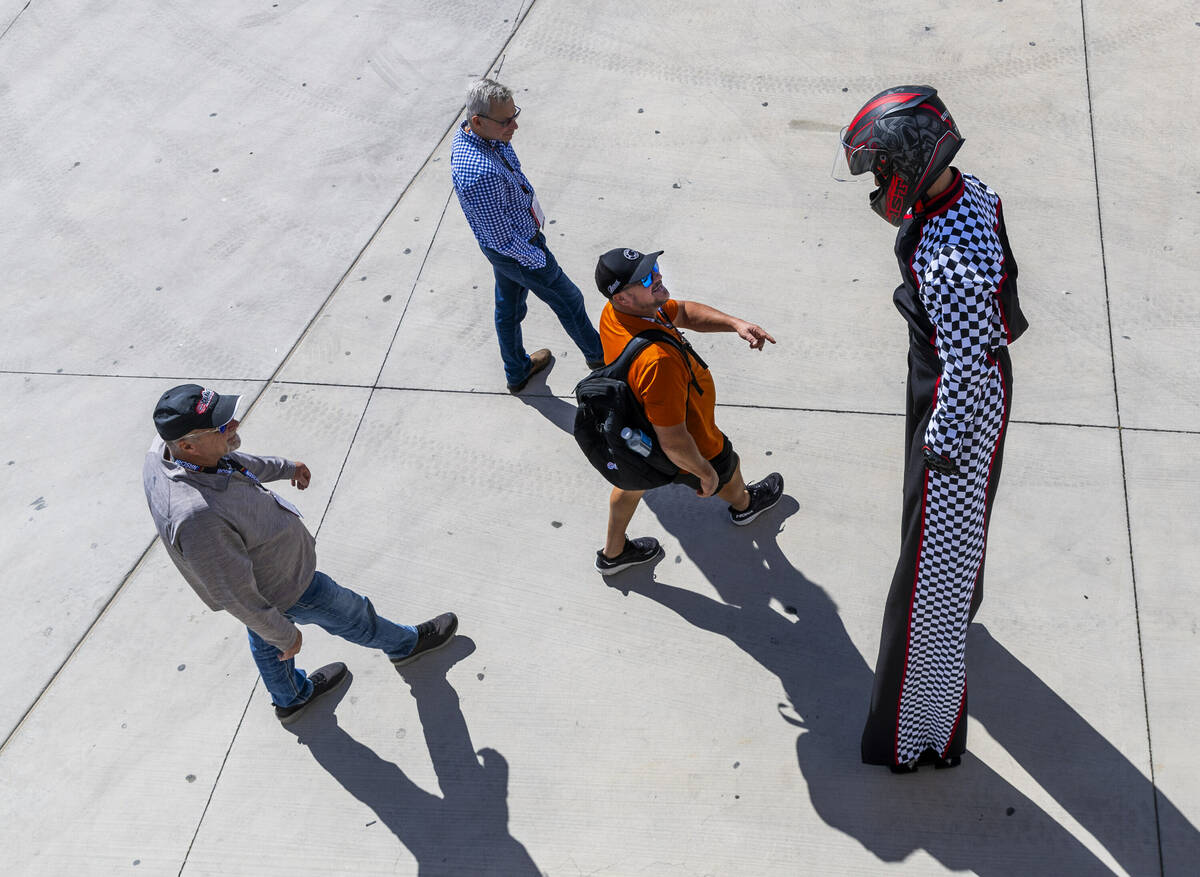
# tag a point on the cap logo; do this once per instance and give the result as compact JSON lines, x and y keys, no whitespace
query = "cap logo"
{"x":206,"y":397}
{"x":614,"y":286}
{"x":631,"y":255}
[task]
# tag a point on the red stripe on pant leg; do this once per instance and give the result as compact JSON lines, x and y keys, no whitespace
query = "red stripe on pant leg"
{"x":962,"y":700}
{"x":992,"y":462}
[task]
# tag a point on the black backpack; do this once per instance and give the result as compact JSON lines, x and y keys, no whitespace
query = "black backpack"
{"x":607,"y":405}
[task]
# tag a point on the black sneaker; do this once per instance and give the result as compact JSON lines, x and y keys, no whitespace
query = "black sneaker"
{"x":642,"y":550}
{"x":431,"y":634}
{"x":763,"y":495}
{"x":328,"y":678}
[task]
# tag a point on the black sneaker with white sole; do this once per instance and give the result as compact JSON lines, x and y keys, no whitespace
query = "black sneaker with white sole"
{"x":763,"y":495}
{"x":328,"y":678}
{"x":640,"y":550}
{"x":431,"y":634}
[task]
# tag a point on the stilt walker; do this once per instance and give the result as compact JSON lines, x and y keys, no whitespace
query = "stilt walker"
{"x":959,"y":297}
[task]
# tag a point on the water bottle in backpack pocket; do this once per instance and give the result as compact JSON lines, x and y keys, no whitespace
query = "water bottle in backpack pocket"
{"x":637,"y":441}
{"x":611,"y":428}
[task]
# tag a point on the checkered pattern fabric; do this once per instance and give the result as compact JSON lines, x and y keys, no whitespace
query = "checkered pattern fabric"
{"x":952,"y":545}
{"x":958,"y":267}
{"x":495,"y":196}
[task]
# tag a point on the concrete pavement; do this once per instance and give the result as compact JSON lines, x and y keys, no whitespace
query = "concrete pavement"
{"x":257,"y":197}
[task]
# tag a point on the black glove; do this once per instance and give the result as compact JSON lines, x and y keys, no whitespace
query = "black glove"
{"x":939,"y":462}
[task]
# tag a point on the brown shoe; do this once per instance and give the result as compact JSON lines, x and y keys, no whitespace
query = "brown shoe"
{"x":538,"y":360}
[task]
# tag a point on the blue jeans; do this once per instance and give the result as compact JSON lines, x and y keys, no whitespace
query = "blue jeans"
{"x":341,"y":612}
{"x":552,"y":285}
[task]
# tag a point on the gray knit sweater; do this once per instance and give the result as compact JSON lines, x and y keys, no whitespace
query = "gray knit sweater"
{"x":238,"y":548}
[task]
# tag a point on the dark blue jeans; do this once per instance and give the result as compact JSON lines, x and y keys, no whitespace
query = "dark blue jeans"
{"x":551,"y":284}
{"x":341,"y":612}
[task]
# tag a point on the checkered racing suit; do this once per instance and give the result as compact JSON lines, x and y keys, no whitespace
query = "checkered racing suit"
{"x":959,"y":297}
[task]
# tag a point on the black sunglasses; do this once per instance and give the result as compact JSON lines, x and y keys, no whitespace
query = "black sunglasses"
{"x":503,"y":123}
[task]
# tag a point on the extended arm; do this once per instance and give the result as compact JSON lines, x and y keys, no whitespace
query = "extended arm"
{"x":704,"y":318}
{"x":275,"y":468}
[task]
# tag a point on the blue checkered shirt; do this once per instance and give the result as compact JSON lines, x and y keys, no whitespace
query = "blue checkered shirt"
{"x":495,"y":196}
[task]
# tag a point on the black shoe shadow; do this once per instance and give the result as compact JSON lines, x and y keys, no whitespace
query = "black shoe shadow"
{"x":558,"y":411}
{"x":536,"y":381}
{"x":462,"y":831}
{"x":968,"y":818}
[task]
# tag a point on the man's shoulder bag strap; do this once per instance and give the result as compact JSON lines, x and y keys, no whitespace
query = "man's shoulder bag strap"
{"x":641,"y":340}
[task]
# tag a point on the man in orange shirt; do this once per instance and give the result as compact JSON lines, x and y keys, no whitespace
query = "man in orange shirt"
{"x":679,"y":398}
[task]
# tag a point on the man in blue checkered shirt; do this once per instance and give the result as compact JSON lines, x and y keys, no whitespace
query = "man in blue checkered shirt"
{"x":503,"y":212}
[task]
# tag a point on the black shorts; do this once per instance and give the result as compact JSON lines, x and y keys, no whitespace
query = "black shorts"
{"x":725,"y":463}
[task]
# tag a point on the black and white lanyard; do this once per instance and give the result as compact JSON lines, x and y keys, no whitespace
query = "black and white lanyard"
{"x":225,"y":466}
{"x":660,"y":317}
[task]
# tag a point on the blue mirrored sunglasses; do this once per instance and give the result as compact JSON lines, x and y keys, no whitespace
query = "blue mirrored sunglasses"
{"x":213,"y":429}
{"x":648,"y":280}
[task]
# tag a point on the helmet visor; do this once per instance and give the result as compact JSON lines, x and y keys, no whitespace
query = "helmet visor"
{"x":851,"y":161}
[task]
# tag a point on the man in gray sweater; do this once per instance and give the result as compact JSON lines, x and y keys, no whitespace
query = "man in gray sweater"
{"x":243,"y":549}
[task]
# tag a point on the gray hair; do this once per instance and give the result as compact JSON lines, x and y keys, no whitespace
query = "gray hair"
{"x":173,"y":445}
{"x":482,"y":94}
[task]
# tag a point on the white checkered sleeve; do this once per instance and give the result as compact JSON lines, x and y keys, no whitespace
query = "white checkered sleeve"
{"x":963,"y":312}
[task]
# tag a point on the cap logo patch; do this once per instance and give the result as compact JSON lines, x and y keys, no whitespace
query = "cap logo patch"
{"x":631,"y":255}
{"x":205,"y":401}
{"x":614,"y":286}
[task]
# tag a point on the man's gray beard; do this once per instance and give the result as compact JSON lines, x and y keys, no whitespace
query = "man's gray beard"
{"x":235,"y":442}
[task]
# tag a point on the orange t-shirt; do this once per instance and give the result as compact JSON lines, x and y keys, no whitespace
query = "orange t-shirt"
{"x":659,"y":378}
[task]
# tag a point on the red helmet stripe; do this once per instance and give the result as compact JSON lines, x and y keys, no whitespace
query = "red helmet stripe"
{"x":897,"y":97}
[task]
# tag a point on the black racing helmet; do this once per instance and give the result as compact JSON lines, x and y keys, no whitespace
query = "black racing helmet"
{"x":906,"y":137}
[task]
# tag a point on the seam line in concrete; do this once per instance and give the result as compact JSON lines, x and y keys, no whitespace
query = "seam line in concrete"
{"x":14,"y":20}
{"x":1112,"y":353}
{"x":807,"y":409}
{"x":212,"y":791}
{"x":497,"y":63}
{"x":266,"y":385}
{"x":62,"y":374}
{"x":454,"y":391}
{"x":367,"y":404}
{"x":78,"y":645}
{"x":383,"y":363}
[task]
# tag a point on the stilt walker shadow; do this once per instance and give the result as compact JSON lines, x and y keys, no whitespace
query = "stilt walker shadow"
{"x":968,"y":819}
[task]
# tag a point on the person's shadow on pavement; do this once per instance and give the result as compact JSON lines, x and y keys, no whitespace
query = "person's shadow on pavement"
{"x":969,"y":818}
{"x":558,"y":411}
{"x":465,"y":830}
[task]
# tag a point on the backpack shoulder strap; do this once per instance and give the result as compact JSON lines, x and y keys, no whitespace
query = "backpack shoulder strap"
{"x":640,"y":341}
{"x":636,"y":345}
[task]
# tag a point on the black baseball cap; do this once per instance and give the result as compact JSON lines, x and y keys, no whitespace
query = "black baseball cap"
{"x":621,"y":267}
{"x":189,"y":407}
